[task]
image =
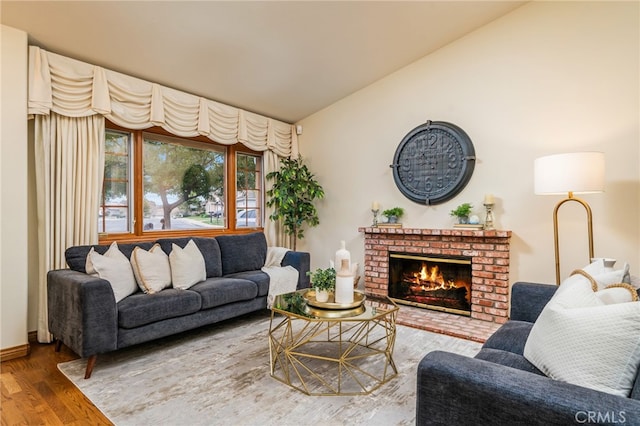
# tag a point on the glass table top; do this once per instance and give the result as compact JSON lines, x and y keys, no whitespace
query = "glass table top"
{"x":302,"y":304}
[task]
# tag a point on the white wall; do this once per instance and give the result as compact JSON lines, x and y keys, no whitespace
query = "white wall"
{"x":549,"y":77}
{"x":13,"y":188}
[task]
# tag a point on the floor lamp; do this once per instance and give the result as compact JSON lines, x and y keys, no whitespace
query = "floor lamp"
{"x":573,"y":173}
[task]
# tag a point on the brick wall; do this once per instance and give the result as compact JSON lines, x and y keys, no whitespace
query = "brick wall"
{"x":488,"y":251}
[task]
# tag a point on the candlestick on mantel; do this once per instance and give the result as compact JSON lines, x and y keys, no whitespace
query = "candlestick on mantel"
{"x":488,"y":204}
{"x":375,"y":208}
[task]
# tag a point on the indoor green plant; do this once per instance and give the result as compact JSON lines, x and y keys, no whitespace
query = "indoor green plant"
{"x":462,"y":212}
{"x":324,"y":281}
{"x":292,"y":195}
{"x":393,"y":214}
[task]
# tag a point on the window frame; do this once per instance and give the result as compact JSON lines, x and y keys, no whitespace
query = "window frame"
{"x":137,"y":196}
{"x":259,"y":188}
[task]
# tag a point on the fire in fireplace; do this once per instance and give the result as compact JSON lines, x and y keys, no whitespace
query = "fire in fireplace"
{"x":439,"y":283}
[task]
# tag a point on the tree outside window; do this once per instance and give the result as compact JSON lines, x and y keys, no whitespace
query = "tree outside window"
{"x":178,"y":181}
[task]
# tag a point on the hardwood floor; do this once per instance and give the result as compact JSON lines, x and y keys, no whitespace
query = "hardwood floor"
{"x":35,"y":392}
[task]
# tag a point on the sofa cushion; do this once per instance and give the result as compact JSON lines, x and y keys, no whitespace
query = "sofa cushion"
{"x":208,"y":247}
{"x":260,"y":278}
{"x":510,"y":337}
{"x":187,"y":266}
{"x":240,"y":253}
{"x":508,"y":359}
{"x":114,"y":267}
{"x":220,"y":291}
{"x":76,"y":256}
{"x":581,"y":340}
{"x":151,"y":269}
{"x":140,"y":309}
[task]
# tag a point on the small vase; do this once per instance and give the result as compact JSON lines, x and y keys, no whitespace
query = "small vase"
{"x":344,"y":284}
{"x":322,"y":295}
{"x":463,"y":219}
{"x":393,"y":219}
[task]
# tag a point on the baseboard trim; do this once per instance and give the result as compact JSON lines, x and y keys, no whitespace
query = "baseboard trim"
{"x":15,"y":352}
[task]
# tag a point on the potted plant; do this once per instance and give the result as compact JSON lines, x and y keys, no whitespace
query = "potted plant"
{"x":393,"y":214}
{"x":324,"y":281}
{"x":292,"y":195}
{"x":462,"y":212}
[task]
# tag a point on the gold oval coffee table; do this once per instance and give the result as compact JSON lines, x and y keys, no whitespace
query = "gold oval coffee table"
{"x":332,"y":351}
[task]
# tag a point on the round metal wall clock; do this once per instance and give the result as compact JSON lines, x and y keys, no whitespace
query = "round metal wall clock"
{"x":433,"y":162}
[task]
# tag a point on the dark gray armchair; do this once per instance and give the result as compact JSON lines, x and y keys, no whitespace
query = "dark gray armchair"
{"x":499,"y":386}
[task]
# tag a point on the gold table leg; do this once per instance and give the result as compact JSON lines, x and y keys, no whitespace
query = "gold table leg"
{"x":332,"y":357}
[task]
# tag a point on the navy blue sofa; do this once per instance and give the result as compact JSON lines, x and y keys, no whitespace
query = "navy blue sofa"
{"x":84,"y":315}
{"x":500,"y":387}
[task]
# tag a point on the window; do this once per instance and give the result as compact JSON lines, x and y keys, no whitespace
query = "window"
{"x":155,"y":182}
{"x":248,"y":193}
{"x":180,"y":181}
{"x":114,"y":214}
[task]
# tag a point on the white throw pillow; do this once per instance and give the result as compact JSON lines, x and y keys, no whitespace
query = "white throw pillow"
{"x":187,"y":265}
{"x":151,"y":269}
{"x":617,"y":293}
{"x":604,"y":277}
{"x":114,"y":267}
{"x":579,"y":339}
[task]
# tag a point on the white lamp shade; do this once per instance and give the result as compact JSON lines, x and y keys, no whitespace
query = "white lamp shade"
{"x":578,"y":172}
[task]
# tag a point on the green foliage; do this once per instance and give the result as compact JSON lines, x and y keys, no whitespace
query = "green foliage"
{"x":188,"y":175}
{"x":196,"y":182}
{"x":396,"y":211}
{"x":295,"y":303}
{"x":463,"y":210}
{"x":292,"y":195}
{"x":323,"y":279}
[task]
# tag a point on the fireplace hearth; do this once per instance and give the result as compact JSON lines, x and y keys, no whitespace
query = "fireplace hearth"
{"x":438,"y":283}
{"x":486,"y":290}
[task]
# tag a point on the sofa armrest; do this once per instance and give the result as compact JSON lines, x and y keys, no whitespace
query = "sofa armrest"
{"x":454,"y":389}
{"x":302,"y":262}
{"x":82,"y":312}
{"x":528,"y":300}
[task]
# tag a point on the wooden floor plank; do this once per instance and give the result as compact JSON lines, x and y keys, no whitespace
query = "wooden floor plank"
{"x":35,"y":392}
{"x":9,"y":383}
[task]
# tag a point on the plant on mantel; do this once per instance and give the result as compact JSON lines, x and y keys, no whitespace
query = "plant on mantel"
{"x":462,"y":212}
{"x":393,"y":214}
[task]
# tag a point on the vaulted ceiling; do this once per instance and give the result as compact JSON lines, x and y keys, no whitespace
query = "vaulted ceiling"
{"x":281,"y":59}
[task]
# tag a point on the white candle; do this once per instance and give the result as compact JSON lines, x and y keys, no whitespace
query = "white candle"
{"x":375,"y":206}
{"x":488,"y":199}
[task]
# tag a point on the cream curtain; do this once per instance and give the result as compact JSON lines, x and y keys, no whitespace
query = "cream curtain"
{"x":69,"y":155}
{"x":77,"y":89}
{"x":70,"y":100}
{"x":72,"y":88}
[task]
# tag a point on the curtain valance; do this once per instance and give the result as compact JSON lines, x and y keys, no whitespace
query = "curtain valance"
{"x":77,"y":89}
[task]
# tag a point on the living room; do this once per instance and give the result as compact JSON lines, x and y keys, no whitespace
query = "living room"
{"x":544,"y":78}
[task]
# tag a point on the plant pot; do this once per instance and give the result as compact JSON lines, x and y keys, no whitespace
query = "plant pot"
{"x":393,"y":219}
{"x":463,"y":219}
{"x":322,"y":295}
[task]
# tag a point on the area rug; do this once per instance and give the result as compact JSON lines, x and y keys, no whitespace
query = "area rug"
{"x":219,"y":375}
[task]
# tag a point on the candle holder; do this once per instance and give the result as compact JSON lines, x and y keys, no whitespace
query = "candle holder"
{"x":375,"y":216}
{"x":488,"y":221}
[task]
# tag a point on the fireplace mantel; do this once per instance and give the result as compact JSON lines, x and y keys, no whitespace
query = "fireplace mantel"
{"x":487,"y":249}
{"x":442,"y":232}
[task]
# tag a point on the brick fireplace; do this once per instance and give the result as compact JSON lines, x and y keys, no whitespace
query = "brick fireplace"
{"x":488,"y":252}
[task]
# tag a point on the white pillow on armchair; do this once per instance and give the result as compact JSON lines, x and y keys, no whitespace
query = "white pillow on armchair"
{"x":581,"y":340}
